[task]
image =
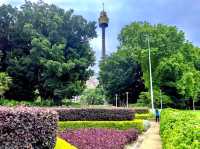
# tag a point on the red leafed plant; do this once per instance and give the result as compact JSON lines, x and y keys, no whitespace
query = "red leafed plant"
{"x":99,"y":138}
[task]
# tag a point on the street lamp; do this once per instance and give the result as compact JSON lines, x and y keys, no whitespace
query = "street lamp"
{"x":150,"y":75}
{"x":127,"y":99}
{"x":116,"y":100}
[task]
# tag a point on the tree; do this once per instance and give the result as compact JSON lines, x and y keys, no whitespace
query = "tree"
{"x":119,"y":73}
{"x":47,"y":49}
{"x":93,"y":96}
{"x":164,"y":41}
{"x":189,"y":85}
{"x":5,"y":82}
{"x":171,"y":57}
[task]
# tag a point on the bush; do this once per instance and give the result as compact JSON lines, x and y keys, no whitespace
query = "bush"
{"x":141,"y":110}
{"x":66,"y":114}
{"x":99,"y":138}
{"x":5,"y":82}
{"x":26,"y":128}
{"x":93,"y":96}
{"x":146,"y":116}
{"x":121,"y":125}
{"x":184,"y":126}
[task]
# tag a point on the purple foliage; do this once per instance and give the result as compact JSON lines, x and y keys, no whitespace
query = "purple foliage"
{"x":66,"y":114}
{"x":27,"y":128}
{"x":95,"y":138}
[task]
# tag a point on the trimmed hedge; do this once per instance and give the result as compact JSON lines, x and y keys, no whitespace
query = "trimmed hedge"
{"x":91,"y":114}
{"x":99,"y":138}
{"x":148,"y":116}
{"x":27,"y":128}
{"x":180,"y":129}
{"x":141,"y":110}
{"x":121,"y":125}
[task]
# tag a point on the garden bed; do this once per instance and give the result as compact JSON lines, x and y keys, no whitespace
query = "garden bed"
{"x":121,"y":125}
{"x":96,"y":138}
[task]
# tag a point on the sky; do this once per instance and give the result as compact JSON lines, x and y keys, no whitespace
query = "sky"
{"x":185,"y":14}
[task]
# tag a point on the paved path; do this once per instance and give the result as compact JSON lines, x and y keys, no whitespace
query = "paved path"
{"x":149,"y":140}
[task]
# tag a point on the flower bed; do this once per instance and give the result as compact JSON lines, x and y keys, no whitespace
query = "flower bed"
{"x":93,"y":138}
{"x":89,"y":114}
{"x":123,"y":125}
{"x":24,"y":128}
{"x":180,"y":129}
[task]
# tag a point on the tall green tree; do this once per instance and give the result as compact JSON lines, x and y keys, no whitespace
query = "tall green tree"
{"x":46,"y":48}
{"x":120,"y":73}
{"x":171,"y":57}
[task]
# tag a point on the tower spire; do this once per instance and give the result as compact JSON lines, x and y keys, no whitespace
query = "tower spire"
{"x":103,"y":23}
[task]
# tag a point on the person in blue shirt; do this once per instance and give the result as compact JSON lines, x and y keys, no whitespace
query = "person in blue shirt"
{"x":157,"y":115}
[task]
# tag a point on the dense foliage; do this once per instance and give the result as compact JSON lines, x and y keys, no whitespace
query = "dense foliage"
{"x":5,"y":82}
{"x":120,"y":73}
{"x":121,"y":125}
{"x":175,"y":65}
{"x":45,"y":48}
{"x":100,"y":114}
{"x":99,"y":138}
{"x":27,"y":128}
{"x":93,"y":97}
{"x":184,"y":126}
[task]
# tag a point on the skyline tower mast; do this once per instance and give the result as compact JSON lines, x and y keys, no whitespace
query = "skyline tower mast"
{"x":103,"y":23}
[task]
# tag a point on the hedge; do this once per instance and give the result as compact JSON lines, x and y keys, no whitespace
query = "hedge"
{"x":141,"y":110}
{"x":148,"y":116}
{"x":25,"y":128}
{"x":121,"y":125}
{"x":180,"y":129}
{"x":91,"y":114}
{"x":99,"y":138}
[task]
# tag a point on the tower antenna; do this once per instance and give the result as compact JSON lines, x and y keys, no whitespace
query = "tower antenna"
{"x":103,"y":23}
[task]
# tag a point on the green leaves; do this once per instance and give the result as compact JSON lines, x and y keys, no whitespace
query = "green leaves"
{"x":119,"y":73}
{"x":47,"y":48}
{"x":5,"y":82}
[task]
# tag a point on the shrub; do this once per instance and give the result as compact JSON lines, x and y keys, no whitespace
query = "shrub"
{"x":123,"y":125}
{"x":184,"y":126}
{"x":141,"y":110}
{"x":146,"y":116}
{"x":62,"y":144}
{"x":5,"y":82}
{"x":26,"y":128}
{"x":99,"y":138}
{"x":93,"y":96}
{"x":66,"y":114}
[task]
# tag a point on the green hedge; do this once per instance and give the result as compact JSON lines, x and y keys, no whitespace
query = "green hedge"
{"x":180,"y":129}
{"x":148,"y":116}
{"x":122,"y":125}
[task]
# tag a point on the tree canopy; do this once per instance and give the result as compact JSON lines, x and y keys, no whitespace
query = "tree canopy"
{"x":175,"y":63}
{"x":46,"y":48}
{"x":120,"y":73}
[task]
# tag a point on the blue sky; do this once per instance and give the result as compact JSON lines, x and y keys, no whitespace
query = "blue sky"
{"x":185,"y":14}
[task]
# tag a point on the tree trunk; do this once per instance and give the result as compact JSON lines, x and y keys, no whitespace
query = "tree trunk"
{"x":193,"y":105}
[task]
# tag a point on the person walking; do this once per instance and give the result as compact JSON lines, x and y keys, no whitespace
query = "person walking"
{"x":157,"y":115}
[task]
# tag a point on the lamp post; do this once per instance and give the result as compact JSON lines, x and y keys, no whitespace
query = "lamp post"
{"x":161,"y":100}
{"x":116,"y":100}
{"x":150,"y":75}
{"x":127,"y":99}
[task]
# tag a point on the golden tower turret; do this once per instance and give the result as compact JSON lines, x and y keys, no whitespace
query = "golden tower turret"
{"x":103,"y":23}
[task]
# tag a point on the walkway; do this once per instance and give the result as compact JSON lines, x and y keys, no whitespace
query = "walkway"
{"x":149,"y":140}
